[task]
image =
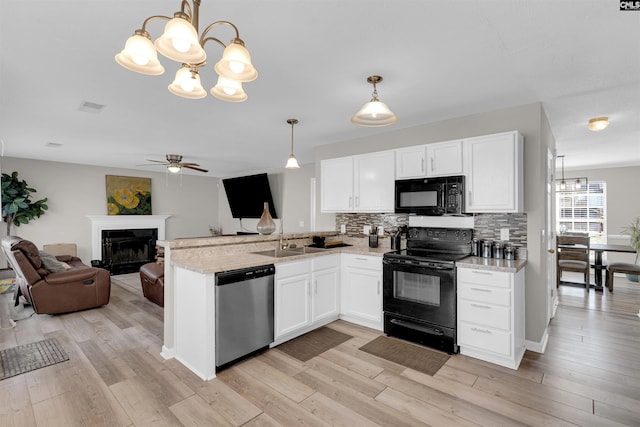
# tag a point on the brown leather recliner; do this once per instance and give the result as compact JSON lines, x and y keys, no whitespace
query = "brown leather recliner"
{"x":78,"y":288}
{"x":152,"y":280}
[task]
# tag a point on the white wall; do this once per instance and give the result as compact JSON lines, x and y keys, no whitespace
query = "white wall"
{"x":75,"y":191}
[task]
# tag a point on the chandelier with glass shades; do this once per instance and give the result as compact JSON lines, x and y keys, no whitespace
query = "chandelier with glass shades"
{"x":375,"y":112}
{"x":180,"y":42}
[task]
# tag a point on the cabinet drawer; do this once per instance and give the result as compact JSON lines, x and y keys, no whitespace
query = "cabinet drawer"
{"x":325,"y":261}
{"x":293,"y":268}
{"x":488,"y":294}
{"x":485,"y":277}
{"x":363,"y":261}
{"x":488,"y":339}
{"x":485,"y":314}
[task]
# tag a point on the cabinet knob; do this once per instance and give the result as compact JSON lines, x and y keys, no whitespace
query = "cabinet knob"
{"x":551,"y":251}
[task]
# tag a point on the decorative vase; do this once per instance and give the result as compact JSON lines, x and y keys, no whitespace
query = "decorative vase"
{"x":266,"y":225}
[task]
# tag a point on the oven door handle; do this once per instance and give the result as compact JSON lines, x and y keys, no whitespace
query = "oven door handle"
{"x":425,"y":329}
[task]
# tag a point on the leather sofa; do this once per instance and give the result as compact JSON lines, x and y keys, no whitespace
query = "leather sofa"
{"x":76,"y":287}
{"x":152,"y":281}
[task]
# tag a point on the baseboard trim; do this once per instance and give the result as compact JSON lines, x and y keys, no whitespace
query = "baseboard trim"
{"x":541,"y":346}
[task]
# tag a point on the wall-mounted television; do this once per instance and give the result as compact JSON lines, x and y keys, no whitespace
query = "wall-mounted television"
{"x":247,"y":194}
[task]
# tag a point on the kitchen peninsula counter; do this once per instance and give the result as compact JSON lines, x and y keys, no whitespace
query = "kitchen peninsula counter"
{"x":493,"y":264}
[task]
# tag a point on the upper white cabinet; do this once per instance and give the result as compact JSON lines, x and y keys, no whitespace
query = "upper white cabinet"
{"x":438,"y":159}
{"x":363,"y":183}
{"x":493,"y":167}
{"x":444,"y":158}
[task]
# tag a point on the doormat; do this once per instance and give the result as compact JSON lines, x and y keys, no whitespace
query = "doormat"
{"x":313,"y":343}
{"x":406,"y":354}
{"x":29,"y":357}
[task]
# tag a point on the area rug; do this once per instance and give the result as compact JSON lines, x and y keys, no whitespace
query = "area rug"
{"x":29,"y":357}
{"x":406,"y":354}
{"x":7,"y":285}
{"x":313,"y":343}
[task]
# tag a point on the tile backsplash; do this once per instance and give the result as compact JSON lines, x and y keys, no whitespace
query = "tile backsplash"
{"x":487,"y":226}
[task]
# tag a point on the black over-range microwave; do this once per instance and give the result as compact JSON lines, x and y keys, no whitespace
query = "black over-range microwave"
{"x":430,"y":196}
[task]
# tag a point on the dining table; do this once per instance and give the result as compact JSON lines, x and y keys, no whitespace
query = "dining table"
{"x":598,"y":265}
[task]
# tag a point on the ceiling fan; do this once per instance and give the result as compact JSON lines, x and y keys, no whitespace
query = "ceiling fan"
{"x":174,"y":164}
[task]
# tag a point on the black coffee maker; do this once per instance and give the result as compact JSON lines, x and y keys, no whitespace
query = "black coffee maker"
{"x":396,"y":238}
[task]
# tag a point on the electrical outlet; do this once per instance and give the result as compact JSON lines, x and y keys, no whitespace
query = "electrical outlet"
{"x":381,"y":231}
{"x":301,"y":224}
{"x":366,"y":229}
{"x":504,"y":234}
{"x":343,"y":228}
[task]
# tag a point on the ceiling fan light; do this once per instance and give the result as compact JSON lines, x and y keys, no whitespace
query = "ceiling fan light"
{"x":174,"y":168}
{"x":236,"y":63}
{"x":187,"y":84}
{"x":374,"y":113}
{"x":598,"y":123}
{"x":140,"y":55}
{"x":229,"y":90}
{"x":179,"y":41}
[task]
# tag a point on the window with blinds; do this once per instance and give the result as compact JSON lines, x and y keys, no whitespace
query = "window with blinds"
{"x":583,"y":210}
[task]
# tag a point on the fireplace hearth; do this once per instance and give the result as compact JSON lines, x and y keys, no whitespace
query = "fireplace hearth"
{"x":125,"y":251}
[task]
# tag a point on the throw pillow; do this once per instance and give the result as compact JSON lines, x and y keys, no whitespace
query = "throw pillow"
{"x":51,"y":263}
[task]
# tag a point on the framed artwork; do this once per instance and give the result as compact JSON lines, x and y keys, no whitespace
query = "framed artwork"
{"x":128,"y":195}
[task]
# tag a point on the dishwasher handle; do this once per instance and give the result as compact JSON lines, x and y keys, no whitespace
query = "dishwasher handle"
{"x":243,"y":274}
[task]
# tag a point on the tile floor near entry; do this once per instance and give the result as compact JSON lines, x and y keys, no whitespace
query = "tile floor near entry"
{"x":589,"y":376}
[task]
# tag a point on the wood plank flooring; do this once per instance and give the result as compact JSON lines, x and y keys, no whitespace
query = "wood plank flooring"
{"x":589,"y":376}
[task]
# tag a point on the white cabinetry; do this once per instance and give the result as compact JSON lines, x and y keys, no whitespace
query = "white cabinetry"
{"x":363,"y":183}
{"x":444,"y":158}
{"x":362,"y":290}
{"x":306,"y":295}
{"x":438,"y":159}
{"x":493,"y":166}
{"x":491,"y":315}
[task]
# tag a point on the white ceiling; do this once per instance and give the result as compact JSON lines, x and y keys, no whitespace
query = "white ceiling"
{"x":439,"y":59}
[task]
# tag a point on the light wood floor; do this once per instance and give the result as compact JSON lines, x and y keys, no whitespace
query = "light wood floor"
{"x":589,"y":376}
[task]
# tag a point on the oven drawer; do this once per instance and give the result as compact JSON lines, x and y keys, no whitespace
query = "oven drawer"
{"x":484,"y":314}
{"x":485,"y":277}
{"x":487,"y":339}
{"x":484,"y":294}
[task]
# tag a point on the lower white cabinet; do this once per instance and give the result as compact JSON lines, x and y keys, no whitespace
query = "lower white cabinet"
{"x":306,"y":295}
{"x":491,"y":315}
{"x":362,"y":290}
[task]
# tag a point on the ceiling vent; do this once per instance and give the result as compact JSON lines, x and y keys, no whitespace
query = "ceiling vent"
{"x":91,"y":107}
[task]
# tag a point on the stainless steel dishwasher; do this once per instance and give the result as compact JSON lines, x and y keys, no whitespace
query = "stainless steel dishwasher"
{"x":244,"y":312}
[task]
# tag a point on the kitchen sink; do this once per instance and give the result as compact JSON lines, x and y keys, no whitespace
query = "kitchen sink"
{"x":276,"y":253}
{"x":280,"y":253}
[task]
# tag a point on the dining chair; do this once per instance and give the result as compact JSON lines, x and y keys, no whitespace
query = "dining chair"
{"x":572,"y":254}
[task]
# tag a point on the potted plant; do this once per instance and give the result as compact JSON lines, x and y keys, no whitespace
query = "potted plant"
{"x":17,"y":206}
{"x":633,"y":230}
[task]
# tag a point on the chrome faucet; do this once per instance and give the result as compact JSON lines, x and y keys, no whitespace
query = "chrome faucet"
{"x":283,"y":244}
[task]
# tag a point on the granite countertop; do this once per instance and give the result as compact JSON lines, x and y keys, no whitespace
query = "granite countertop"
{"x":506,"y":265}
{"x":217,"y":263}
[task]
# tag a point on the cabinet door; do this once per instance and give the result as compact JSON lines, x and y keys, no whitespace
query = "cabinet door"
{"x":325,"y":293}
{"x":375,"y":182}
{"x":493,"y":170}
{"x":410,"y":162}
{"x":444,"y":158}
{"x":336,"y":185}
{"x":362,"y":296}
{"x":292,"y":303}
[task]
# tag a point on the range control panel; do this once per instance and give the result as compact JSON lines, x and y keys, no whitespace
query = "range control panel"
{"x":432,"y":234}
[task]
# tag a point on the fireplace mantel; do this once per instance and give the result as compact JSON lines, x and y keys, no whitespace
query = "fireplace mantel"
{"x":122,"y":222}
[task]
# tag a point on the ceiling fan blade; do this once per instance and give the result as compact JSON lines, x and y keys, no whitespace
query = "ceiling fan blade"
{"x":194,"y":168}
{"x":189,"y":164}
{"x":164,"y":162}
{"x":153,"y":164}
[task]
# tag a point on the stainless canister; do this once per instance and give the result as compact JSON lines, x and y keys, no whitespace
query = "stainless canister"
{"x":476,"y":247}
{"x":498,"y":250}
{"x":486,"y":248}
{"x":509,"y":252}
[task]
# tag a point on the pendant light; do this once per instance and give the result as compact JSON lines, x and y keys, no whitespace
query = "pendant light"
{"x":563,"y":183}
{"x":292,"y":163}
{"x":375,"y":112}
{"x":575,"y":184}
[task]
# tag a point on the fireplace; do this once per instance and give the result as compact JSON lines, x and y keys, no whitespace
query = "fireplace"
{"x":125,"y":232}
{"x":125,"y":251}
